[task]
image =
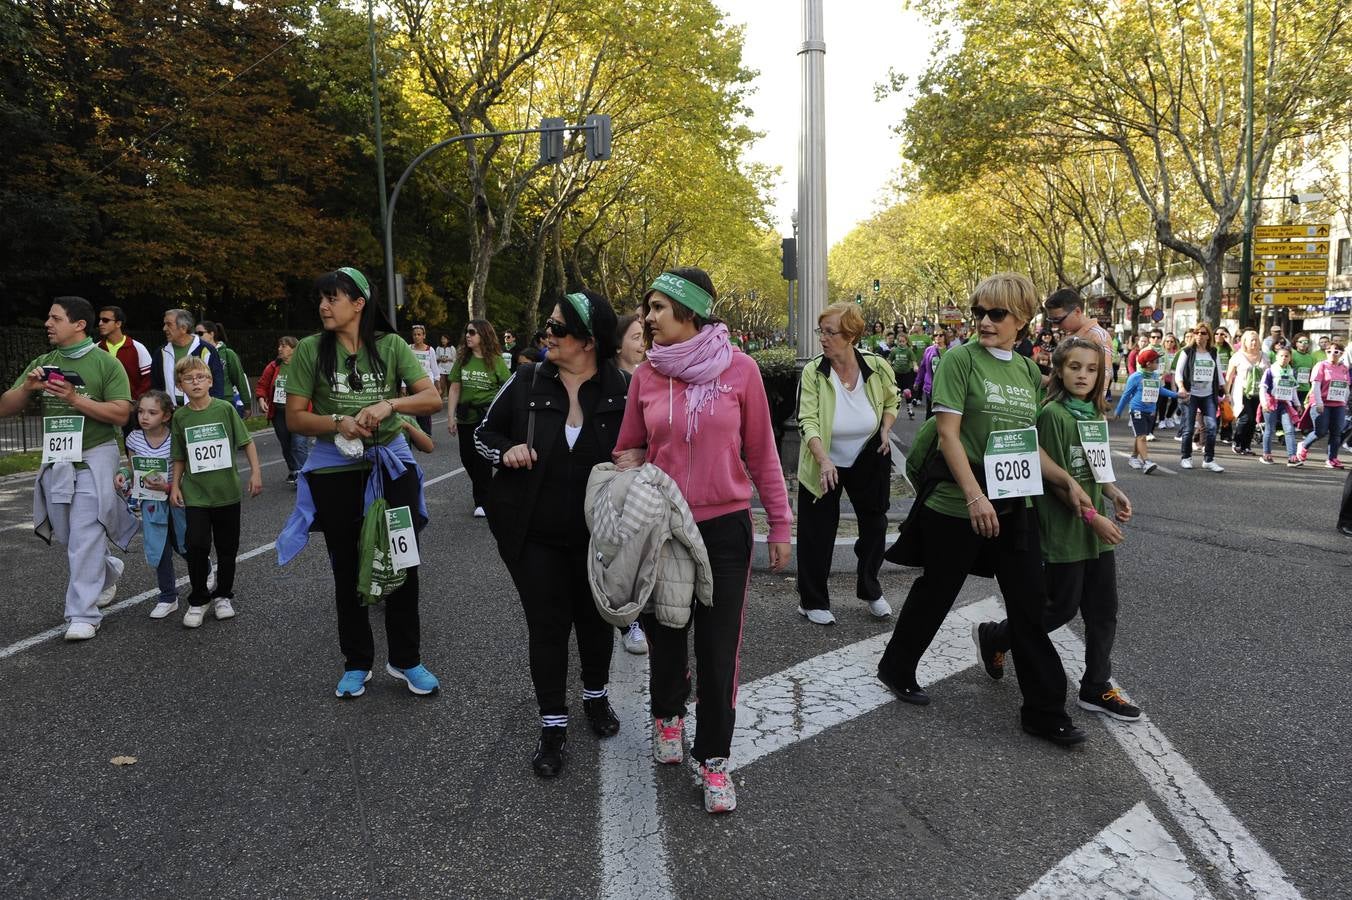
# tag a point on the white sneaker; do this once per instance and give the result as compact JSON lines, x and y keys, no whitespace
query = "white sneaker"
{"x":879,"y":608}
{"x":81,"y":631}
{"x":163,"y":609}
{"x":1149,"y":438}
{"x":479,"y":512}
{"x":818,"y":616}
{"x":222,"y":609}
{"x":635,"y":641}
{"x":1212,"y":466}
{"x":669,"y":740}
{"x":1185,"y":463}
{"x":1148,"y":467}
{"x":1134,"y":462}
{"x":106,"y":595}
{"x":193,"y":617}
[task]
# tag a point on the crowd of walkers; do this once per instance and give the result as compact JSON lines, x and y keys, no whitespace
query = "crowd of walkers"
{"x":615,"y":458}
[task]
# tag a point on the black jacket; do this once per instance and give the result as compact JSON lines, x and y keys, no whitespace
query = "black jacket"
{"x":1190,"y":354}
{"x":515,"y":493}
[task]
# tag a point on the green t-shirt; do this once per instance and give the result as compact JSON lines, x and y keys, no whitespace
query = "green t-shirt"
{"x":104,"y":379}
{"x":1066,"y":537}
{"x":919,"y":343}
{"x":992,"y":395}
{"x":327,"y":398}
{"x":1303,"y":363}
{"x":218,"y":422}
{"x":903,"y":359}
{"x":479,"y":384}
{"x":871,"y":341}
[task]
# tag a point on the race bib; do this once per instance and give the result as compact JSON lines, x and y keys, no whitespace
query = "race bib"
{"x":63,"y":438}
{"x":1284,"y":389}
{"x":1203,"y":370}
{"x":149,"y":478}
{"x":1302,"y":376}
{"x":403,"y":540}
{"x":1150,"y":390}
{"x":279,"y":391}
{"x":1094,"y":439}
{"x":208,"y":448}
{"x":1012,"y":465}
{"x":1337,"y":391}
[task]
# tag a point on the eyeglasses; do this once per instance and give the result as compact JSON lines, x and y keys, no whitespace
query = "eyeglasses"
{"x":470,"y":332}
{"x":103,"y":321}
{"x":826,"y":332}
{"x":353,"y":378}
{"x":996,"y":315}
{"x":1054,"y":321}
{"x":196,"y":379}
{"x":557,"y":328}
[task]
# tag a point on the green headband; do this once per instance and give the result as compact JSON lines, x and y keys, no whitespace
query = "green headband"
{"x":359,"y":280}
{"x":686,"y":293}
{"x":581,"y":303}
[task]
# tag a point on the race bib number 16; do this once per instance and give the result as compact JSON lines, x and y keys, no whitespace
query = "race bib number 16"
{"x":1012,"y":465}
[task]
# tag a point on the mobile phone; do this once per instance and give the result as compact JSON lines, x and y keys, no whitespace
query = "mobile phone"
{"x":52,"y":374}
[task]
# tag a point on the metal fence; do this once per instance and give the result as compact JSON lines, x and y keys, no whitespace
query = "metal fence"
{"x":18,"y":347}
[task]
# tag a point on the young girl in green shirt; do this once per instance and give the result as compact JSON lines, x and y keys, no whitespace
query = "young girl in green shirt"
{"x":1077,"y":547}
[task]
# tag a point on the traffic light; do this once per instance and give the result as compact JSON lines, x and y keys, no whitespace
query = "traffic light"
{"x":597,"y":137}
{"x":858,"y":298}
{"x":877,"y":286}
{"x":551,"y":140}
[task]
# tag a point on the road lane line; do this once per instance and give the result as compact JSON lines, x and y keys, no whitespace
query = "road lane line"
{"x":56,"y":631}
{"x":1239,"y":860}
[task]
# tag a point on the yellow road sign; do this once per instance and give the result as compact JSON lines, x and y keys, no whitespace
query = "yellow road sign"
{"x":1261,"y":232}
{"x":1313,"y":264}
{"x":1317,"y":248}
{"x":1291,"y":299}
{"x":1318,"y":282}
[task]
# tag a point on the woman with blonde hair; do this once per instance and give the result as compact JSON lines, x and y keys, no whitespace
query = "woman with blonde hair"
{"x":847,"y":402}
{"x":972,"y":514}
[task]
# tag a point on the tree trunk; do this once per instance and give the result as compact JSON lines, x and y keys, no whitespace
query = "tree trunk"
{"x":1213,"y":285}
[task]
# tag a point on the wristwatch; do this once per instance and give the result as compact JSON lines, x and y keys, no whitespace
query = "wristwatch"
{"x":337,"y":418}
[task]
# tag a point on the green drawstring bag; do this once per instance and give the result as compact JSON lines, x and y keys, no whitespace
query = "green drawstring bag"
{"x":376,"y":576}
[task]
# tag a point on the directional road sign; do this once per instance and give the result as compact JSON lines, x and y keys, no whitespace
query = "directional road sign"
{"x":1290,"y":299}
{"x":1310,"y":264}
{"x":1318,"y":282}
{"x":1317,"y":248}
{"x":1262,"y":232}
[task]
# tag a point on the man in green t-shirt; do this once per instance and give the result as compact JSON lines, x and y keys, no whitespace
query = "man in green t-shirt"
{"x":85,"y":399}
{"x":1302,"y":361}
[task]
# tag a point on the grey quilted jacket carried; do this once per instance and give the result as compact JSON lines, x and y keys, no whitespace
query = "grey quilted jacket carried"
{"x":645,"y":550}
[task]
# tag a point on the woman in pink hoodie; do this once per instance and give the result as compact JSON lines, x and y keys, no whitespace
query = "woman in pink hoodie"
{"x":696,"y":410}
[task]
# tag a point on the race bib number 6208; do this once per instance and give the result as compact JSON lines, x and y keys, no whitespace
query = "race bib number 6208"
{"x":1013,"y":468}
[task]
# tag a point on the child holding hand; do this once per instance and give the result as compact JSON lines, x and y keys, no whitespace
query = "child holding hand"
{"x":1077,"y":548}
{"x":206,"y":434}
{"x":146,"y":478}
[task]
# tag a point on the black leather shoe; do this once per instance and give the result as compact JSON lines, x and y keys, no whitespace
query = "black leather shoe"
{"x":601,"y":717}
{"x":907,"y":693}
{"x":1345,"y":530}
{"x":1060,"y":735}
{"x":550,"y":754}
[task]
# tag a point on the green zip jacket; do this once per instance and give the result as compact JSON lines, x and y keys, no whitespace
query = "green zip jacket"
{"x":234,"y":373}
{"x":817,"y":407}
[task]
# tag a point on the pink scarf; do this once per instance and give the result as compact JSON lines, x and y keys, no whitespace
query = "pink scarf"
{"x":698,"y":362}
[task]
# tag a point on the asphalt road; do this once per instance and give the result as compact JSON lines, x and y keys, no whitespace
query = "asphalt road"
{"x":251,"y":780}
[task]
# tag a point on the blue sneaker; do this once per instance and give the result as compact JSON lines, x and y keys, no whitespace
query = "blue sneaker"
{"x":419,"y":680}
{"x":353,"y":683}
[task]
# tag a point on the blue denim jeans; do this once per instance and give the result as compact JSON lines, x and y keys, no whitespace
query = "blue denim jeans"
{"x":1279,"y":417}
{"x":164,"y":575}
{"x":1207,"y":406}
{"x":1330,"y":422}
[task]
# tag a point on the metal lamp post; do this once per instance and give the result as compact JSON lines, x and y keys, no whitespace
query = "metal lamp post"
{"x":812,"y":177}
{"x":380,"y":143}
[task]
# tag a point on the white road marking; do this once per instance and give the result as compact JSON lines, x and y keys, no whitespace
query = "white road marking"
{"x":634,"y":859}
{"x":1133,"y":857}
{"x":1239,"y":860}
{"x":1128,"y":456}
{"x":57,"y":631}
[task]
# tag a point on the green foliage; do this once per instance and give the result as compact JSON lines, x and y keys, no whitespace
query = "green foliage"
{"x":779,"y":370}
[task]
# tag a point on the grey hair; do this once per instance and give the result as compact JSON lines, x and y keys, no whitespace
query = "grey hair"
{"x":182,"y":317}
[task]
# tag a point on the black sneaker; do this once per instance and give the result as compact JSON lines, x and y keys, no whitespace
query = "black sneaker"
{"x":601,"y":717}
{"x":993,"y":661}
{"x":550,"y":754}
{"x":911,"y":693}
{"x":1110,"y":703}
{"x":1060,"y":735}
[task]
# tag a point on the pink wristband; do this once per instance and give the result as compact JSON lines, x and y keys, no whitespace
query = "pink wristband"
{"x":1089,"y":514}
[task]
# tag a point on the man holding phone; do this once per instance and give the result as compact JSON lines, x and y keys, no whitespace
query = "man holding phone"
{"x":85,"y":399}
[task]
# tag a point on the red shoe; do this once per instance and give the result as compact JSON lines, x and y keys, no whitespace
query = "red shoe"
{"x":1334,"y":464}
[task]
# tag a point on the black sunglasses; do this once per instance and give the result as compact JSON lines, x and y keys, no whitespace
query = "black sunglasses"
{"x":996,"y":315}
{"x":200,"y":333}
{"x":106,"y":321}
{"x":557,"y":328}
{"x":353,"y":379}
{"x":469,"y":331}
